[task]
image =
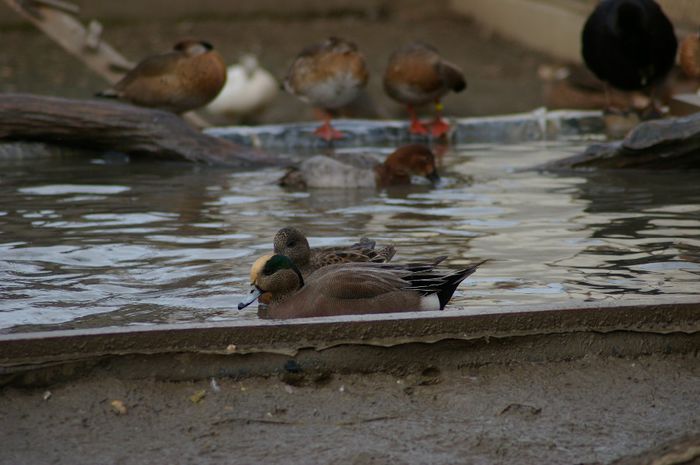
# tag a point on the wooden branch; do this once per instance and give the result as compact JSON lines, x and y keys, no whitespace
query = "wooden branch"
{"x":70,"y":34}
{"x":106,"y":125}
{"x":672,"y":143}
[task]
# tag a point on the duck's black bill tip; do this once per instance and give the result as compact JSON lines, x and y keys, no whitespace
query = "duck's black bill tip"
{"x":254,"y":294}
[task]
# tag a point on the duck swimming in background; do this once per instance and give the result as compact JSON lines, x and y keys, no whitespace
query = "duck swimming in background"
{"x":629,"y":44}
{"x":184,"y":79}
{"x":351,"y":288}
{"x":352,"y":171}
{"x":329,"y":75}
{"x":249,"y":88}
{"x":416,"y":75}
{"x":292,"y":243}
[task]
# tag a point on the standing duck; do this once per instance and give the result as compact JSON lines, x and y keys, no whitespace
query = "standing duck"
{"x":292,"y":243}
{"x":184,"y":79}
{"x":416,"y":75}
{"x":353,"y":171}
{"x":629,"y":44}
{"x":351,"y":288}
{"x":328,"y":75}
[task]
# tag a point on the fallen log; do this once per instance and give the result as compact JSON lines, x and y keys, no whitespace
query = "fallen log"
{"x":111,"y":126}
{"x":672,"y":143}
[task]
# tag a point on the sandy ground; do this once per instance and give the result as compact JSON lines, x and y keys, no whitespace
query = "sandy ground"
{"x":501,"y":75}
{"x":589,"y":411}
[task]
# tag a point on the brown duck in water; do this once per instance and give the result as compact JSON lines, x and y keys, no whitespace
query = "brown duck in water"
{"x":352,"y":171}
{"x":351,"y":288}
{"x":292,"y":243}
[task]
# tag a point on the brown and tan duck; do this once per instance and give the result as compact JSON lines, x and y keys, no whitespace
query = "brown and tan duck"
{"x":328,"y":75}
{"x":184,"y":79}
{"x":689,"y":55}
{"x":416,"y":75}
{"x":293,"y":243}
{"x":352,"y":171}
{"x":351,"y":288}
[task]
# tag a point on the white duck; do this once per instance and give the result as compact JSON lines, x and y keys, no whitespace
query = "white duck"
{"x":249,"y":88}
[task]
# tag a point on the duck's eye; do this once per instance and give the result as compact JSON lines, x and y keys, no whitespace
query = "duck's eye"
{"x":291,"y":244}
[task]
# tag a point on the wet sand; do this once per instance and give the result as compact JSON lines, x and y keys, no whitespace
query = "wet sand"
{"x":593,"y":410}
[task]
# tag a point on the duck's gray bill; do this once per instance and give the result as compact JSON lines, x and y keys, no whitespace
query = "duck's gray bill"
{"x":254,"y":294}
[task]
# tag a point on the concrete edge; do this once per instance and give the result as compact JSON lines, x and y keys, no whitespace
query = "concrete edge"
{"x":291,"y":336}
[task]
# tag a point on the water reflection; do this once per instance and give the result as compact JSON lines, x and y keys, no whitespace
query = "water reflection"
{"x":102,"y":243}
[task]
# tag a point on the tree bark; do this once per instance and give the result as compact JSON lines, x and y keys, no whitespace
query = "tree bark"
{"x":106,"y":125}
{"x":672,"y":143}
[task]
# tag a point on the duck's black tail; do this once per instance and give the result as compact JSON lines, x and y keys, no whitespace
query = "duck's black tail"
{"x":453,"y":280}
{"x":429,"y":281}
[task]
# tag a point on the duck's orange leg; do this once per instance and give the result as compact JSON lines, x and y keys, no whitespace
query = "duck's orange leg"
{"x":416,"y":126}
{"x":326,"y":131}
{"x":439,"y":126}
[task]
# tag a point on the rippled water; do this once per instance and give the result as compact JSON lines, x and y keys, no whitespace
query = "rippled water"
{"x":107,"y":242}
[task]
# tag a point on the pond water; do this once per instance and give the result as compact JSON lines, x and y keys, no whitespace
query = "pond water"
{"x":104,"y":241}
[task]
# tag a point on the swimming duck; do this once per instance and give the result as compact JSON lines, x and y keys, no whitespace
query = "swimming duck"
{"x":629,"y":44}
{"x":351,"y":288}
{"x":249,"y":88}
{"x":416,"y":75}
{"x":689,"y":56}
{"x":184,"y":79}
{"x":292,"y":243}
{"x":363,"y":170}
{"x":329,"y":75}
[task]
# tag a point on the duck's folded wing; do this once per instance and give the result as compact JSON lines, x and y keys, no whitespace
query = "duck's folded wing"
{"x":350,"y":255}
{"x":157,"y":66}
{"x":356,"y":283}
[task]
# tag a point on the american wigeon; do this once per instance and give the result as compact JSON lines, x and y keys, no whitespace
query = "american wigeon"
{"x":292,"y":243}
{"x":184,"y":79}
{"x":351,"y":288}
{"x":348,"y":171}
{"x":689,"y":56}
{"x":629,"y":44}
{"x":328,"y":75}
{"x":416,"y":75}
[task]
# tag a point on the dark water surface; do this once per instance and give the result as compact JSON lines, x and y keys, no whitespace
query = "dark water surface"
{"x":104,"y":241}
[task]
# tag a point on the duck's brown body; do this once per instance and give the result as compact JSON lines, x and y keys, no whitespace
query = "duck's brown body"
{"x":187,"y":78}
{"x":689,"y":55}
{"x":328,"y":75}
{"x":416,"y":75}
{"x":348,"y":290}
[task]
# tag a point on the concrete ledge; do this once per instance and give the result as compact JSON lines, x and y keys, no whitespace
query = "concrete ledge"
{"x":539,"y":125}
{"x":355,"y":343}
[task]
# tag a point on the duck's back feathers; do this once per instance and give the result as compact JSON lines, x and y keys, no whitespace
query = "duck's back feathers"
{"x":325,"y":256}
{"x":417,"y":74}
{"x":330,"y":172}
